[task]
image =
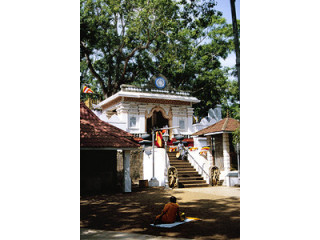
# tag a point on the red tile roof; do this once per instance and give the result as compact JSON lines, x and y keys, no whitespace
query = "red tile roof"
{"x":95,"y":133}
{"x":224,"y":125}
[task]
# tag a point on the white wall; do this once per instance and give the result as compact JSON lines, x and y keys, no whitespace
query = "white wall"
{"x":200,"y":142}
{"x":160,"y":166}
{"x":203,"y":165}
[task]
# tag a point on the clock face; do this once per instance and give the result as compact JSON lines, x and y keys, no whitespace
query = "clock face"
{"x":160,"y":82}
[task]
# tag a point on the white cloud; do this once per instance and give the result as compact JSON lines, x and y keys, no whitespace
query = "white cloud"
{"x":230,"y":61}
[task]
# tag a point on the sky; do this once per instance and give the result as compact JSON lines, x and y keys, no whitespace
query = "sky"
{"x":224,"y":7}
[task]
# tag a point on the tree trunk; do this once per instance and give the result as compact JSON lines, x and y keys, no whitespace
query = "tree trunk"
{"x":236,"y":39}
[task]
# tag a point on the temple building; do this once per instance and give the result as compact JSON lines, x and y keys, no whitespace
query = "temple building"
{"x":137,"y":110}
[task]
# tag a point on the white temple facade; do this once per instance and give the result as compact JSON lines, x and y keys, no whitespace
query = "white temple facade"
{"x":138,"y":110}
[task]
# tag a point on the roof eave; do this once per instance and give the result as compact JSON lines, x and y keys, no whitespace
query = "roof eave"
{"x":148,"y":95}
{"x":108,"y":148}
{"x":216,"y":133}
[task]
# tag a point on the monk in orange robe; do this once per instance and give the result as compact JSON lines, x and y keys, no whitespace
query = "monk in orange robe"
{"x":170,"y":212}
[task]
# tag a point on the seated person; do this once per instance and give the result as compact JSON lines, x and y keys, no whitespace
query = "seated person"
{"x":170,"y":213}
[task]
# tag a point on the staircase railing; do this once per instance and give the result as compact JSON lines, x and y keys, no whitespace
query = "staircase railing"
{"x":200,"y":167}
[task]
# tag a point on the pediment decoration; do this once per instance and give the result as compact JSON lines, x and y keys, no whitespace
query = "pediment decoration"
{"x":157,"y":109}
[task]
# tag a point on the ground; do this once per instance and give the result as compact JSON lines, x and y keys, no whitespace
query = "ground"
{"x":217,"y":207}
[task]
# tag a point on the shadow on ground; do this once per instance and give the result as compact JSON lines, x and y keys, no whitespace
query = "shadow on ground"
{"x":133,"y":212}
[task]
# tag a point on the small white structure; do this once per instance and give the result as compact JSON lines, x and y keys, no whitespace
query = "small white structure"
{"x":218,"y":137}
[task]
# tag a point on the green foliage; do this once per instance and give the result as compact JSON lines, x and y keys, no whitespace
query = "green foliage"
{"x":236,"y":136}
{"x":128,"y":41}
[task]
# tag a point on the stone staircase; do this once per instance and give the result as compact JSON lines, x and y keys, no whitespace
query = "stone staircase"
{"x":188,"y":176}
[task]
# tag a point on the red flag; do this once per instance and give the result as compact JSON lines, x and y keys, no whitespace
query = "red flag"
{"x":159,"y":139}
{"x":86,"y":90}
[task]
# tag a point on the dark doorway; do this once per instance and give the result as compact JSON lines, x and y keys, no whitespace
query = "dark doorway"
{"x":98,"y":169}
{"x":156,"y":120}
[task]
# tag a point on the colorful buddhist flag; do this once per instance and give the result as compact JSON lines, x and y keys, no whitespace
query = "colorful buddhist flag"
{"x":86,"y":90}
{"x":205,"y":148}
{"x":159,"y":139}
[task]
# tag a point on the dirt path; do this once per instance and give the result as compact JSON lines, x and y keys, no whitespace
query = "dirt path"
{"x":218,"y":208}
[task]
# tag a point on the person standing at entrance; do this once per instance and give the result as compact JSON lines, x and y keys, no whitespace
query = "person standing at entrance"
{"x":182,"y":151}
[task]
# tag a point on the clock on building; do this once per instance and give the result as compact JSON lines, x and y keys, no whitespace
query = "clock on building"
{"x":160,"y":82}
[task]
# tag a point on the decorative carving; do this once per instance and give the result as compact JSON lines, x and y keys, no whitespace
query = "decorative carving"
{"x":214,"y":175}
{"x":173,"y":177}
{"x":157,"y":109}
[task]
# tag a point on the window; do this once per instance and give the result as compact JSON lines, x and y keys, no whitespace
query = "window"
{"x":181,"y":124}
{"x":133,"y":122}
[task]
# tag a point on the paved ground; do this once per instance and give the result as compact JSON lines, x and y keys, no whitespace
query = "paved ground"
{"x":128,"y":215}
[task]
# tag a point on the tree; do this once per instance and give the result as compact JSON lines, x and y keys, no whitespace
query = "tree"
{"x":236,"y":39}
{"x":127,"y":42}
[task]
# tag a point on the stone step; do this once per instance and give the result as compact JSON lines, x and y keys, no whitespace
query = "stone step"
{"x":179,"y":162}
{"x":180,"y":175}
{"x":190,"y":185}
{"x":191,"y":181}
{"x":190,"y":178}
{"x":184,"y":169}
{"x":181,"y":165}
{"x":187,"y":171}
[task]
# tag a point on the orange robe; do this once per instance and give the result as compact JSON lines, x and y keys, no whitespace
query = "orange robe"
{"x":169,"y":213}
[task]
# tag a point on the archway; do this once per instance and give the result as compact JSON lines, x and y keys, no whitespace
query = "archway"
{"x":156,"y":120}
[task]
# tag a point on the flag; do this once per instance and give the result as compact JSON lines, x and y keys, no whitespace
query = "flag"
{"x":205,"y":148}
{"x":159,"y":139}
{"x":86,"y":90}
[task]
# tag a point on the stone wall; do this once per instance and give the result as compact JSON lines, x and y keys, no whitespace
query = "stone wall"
{"x":136,"y":166}
{"x":218,"y":161}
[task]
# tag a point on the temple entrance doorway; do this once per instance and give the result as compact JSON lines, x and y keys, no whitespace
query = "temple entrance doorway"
{"x":157,"y":120}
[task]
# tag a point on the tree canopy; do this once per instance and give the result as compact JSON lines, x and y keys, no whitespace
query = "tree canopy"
{"x":129,"y":41}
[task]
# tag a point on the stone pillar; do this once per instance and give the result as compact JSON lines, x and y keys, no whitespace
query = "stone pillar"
{"x":226,"y":152}
{"x":142,"y":118}
{"x":126,"y":171}
{"x":209,"y":155}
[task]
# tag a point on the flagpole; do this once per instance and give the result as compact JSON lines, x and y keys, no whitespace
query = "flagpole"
{"x":153,"y":181}
{"x":153,"y":154}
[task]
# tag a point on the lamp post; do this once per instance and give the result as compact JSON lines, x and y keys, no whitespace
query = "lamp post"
{"x":166,"y":138}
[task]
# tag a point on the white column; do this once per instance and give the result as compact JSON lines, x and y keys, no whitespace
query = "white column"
{"x":209,"y":155}
{"x":226,"y":152}
{"x":142,"y":118}
{"x":122,"y":111}
{"x":175,"y":116}
{"x":126,"y":171}
{"x":189,"y":119}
